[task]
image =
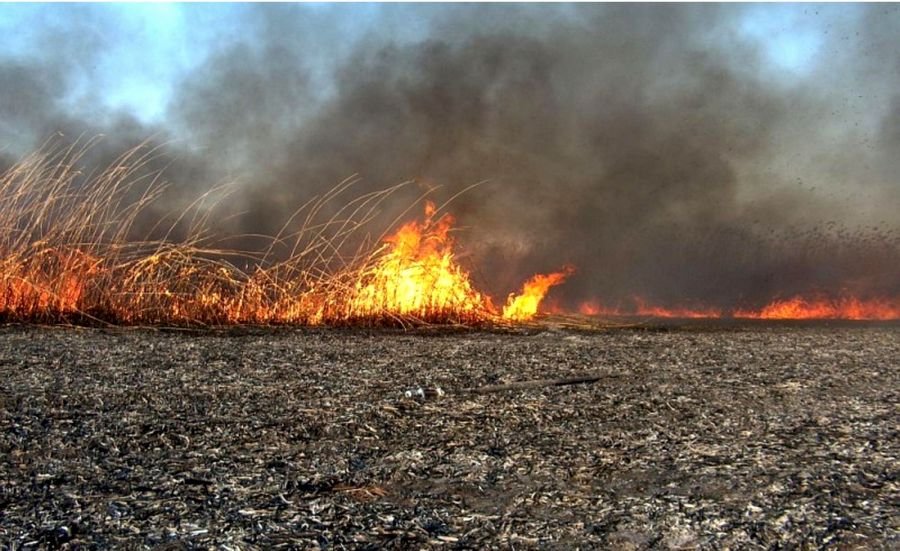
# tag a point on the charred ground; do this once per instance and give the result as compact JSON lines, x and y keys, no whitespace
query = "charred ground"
{"x":754,"y":435}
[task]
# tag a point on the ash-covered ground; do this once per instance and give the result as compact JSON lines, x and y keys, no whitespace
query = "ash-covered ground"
{"x":756,"y":436}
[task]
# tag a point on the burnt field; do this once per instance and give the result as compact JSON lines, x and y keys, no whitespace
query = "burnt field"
{"x":700,"y":436}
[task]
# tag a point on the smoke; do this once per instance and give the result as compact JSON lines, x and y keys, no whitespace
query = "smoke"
{"x":656,"y":148}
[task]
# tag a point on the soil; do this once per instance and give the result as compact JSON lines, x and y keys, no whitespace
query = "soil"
{"x":687,"y":436}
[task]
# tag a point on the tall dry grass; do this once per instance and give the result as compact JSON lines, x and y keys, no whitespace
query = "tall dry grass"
{"x":68,"y":253}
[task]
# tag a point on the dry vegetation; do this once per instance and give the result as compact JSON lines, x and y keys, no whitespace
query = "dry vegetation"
{"x":69,"y":254}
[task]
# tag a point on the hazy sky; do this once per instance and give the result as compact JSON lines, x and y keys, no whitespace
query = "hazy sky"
{"x":134,"y":55}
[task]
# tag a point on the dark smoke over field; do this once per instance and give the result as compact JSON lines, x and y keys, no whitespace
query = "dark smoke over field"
{"x":656,"y":148}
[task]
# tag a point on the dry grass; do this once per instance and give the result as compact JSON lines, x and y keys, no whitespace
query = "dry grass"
{"x":68,"y":253}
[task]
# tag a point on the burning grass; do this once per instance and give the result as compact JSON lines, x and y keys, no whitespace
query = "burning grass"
{"x":68,"y":256}
{"x":844,"y":307}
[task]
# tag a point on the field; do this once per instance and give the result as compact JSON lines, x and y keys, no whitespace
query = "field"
{"x":747,"y":435}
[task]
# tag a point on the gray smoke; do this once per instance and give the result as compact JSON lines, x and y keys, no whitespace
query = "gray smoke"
{"x":650,"y":146}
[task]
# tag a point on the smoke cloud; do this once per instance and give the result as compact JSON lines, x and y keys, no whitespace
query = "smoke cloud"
{"x":658,"y":149}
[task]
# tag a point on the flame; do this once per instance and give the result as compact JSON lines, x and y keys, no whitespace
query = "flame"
{"x":796,"y":308}
{"x":847,"y":307}
{"x":63,"y":255}
{"x":412,"y":276}
{"x":45,"y":283}
{"x":645,"y":309}
{"x":525,"y":305}
{"x":416,"y":275}
{"x":642,"y":307}
{"x":66,"y":255}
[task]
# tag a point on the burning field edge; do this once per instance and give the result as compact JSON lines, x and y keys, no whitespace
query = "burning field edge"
{"x":71,"y":253}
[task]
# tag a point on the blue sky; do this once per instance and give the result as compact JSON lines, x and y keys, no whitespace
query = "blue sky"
{"x":790,"y":36}
{"x":139,"y":52}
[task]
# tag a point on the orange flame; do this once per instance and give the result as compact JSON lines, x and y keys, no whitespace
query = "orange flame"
{"x":849,"y":308}
{"x":417,"y":275}
{"x":414,"y":276}
{"x":797,"y":308}
{"x":46,"y":283}
{"x":644,"y":309}
{"x":525,"y":305}
{"x":65,"y":254}
{"x":591,"y":308}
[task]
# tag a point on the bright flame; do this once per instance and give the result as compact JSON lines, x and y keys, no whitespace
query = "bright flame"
{"x":417,"y":276}
{"x":525,"y":305}
{"x":65,"y":255}
{"x":46,"y":283}
{"x":413,"y":276}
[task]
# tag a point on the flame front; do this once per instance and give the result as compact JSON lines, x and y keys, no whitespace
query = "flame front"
{"x":64,"y":256}
{"x":45,"y":283}
{"x":847,"y":307}
{"x":416,"y":275}
{"x":795,"y":308}
{"x":412,"y":277}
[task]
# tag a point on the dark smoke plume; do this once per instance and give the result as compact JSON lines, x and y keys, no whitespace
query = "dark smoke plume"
{"x":650,"y":146}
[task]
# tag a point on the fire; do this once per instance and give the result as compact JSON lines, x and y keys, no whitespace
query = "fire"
{"x":416,"y":275}
{"x":73,"y":264}
{"x":525,"y":305}
{"x":796,"y":308}
{"x":847,"y":307}
{"x":46,"y":282}
{"x":64,"y":256}
{"x":642,"y":307}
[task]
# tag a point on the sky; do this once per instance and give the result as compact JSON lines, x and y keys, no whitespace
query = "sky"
{"x":141,"y":51}
{"x":753,"y":130}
